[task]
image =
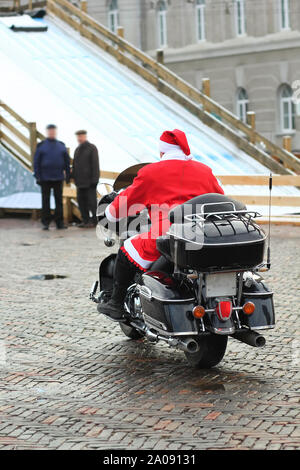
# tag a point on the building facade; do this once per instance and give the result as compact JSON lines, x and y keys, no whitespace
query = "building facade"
{"x":250,"y":50}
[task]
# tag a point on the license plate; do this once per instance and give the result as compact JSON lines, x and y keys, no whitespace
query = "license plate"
{"x":221,"y":284}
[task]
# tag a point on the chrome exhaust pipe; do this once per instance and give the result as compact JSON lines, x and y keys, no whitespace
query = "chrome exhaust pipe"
{"x":152,"y":337}
{"x":250,"y":337}
{"x":189,"y":345}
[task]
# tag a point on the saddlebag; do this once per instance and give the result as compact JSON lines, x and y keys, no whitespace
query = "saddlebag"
{"x":106,"y":272}
{"x":263,"y":316}
{"x":167,"y":305}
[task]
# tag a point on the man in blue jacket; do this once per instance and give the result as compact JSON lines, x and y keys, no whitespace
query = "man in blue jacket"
{"x":51,"y":168}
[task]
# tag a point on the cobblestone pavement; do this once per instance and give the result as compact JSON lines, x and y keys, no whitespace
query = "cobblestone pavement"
{"x":67,"y":382}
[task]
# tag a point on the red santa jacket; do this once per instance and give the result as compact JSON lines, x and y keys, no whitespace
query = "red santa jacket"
{"x":159,"y":187}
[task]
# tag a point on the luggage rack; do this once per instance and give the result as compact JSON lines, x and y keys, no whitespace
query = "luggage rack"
{"x":242,"y":215}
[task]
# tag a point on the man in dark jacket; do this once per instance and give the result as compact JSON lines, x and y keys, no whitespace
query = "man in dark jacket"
{"x":51,"y":167}
{"x":86,"y":176}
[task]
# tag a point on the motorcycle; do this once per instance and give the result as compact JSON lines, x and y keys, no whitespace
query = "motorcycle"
{"x":205,"y":287}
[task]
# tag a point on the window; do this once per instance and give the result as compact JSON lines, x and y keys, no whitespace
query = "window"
{"x":284,"y":14}
{"x":200,"y":18}
{"x":242,"y":104}
{"x":162,"y":23}
{"x":240,"y":20}
{"x":113,"y":16}
{"x":287,"y":109}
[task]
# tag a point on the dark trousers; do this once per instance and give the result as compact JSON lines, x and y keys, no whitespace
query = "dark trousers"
{"x":57,"y":187}
{"x":124,"y":275}
{"x":87,"y":201}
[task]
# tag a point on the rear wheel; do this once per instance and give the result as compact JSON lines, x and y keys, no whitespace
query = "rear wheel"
{"x":131,"y":332}
{"x":211,"y":351}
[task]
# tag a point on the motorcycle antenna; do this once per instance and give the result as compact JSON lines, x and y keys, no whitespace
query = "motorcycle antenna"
{"x":269,"y":234}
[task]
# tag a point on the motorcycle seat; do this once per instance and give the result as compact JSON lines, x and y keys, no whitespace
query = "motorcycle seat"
{"x":163,"y":264}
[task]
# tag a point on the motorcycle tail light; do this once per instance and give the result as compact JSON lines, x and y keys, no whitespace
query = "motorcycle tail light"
{"x":224,"y":310}
{"x":248,"y":308}
{"x":199,"y":311}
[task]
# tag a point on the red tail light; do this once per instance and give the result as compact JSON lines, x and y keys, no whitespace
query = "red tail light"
{"x":224,"y":310}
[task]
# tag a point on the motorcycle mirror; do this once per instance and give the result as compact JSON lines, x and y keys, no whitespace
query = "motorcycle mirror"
{"x":109,"y":242}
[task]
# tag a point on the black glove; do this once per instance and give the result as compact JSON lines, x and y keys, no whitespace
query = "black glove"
{"x":108,"y":198}
{"x":103,"y":203}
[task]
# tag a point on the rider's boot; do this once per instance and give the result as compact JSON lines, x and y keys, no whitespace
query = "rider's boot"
{"x":124,"y":273}
{"x":114,"y":308}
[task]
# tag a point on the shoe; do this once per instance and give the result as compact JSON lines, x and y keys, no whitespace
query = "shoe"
{"x":61,"y":227}
{"x":112,"y":309}
{"x":87,"y":225}
{"x":93,"y":222}
{"x":45,"y":227}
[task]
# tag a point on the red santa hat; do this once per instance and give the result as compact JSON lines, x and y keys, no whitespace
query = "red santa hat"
{"x":174,"y":140}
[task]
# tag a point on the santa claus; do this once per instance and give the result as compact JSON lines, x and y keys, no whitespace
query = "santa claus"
{"x":159,"y":187}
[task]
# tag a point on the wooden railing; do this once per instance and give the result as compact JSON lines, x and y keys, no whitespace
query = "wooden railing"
{"x":18,"y":135}
{"x":200,"y":104}
{"x":238,"y":180}
{"x":20,"y":5}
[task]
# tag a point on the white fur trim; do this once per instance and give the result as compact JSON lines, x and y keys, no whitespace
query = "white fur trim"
{"x":164,"y":147}
{"x":176,"y":155}
{"x":134,"y":254}
{"x":109,"y":215}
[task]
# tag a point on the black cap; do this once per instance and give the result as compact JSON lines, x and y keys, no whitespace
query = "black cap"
{"x":51,"y":126}
{"x":81,"y":132}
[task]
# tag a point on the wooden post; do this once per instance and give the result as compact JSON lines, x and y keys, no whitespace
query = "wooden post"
{"x":30,"y":4}
{"x":160,"y":56}
{"x":35,"y":214}
{"x":16,"y":5}
{"x":120,"y":32}
{"x":67,"y":209}
{"x":206,"y":87}
{"x":32,"y":139}
{"x":83,"y":6}
{"x":251,"y":121}
{"x":287,"y":143}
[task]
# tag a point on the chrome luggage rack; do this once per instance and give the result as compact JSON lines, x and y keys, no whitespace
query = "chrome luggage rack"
{"x":202,"y":217}
{"x":244,"y":216}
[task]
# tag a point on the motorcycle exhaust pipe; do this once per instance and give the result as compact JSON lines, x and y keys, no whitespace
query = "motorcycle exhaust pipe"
{"x":250,"y":337}
{"x":152,"y":337}
{"x":189,"y":345}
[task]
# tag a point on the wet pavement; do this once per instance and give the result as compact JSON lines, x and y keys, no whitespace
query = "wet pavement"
{"x":69,"y":382}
